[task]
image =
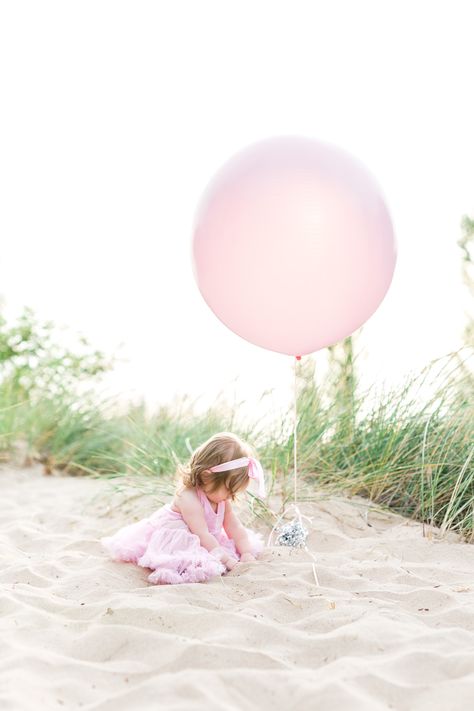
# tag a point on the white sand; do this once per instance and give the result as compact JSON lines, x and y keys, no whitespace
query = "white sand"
{"x":391,"y":625}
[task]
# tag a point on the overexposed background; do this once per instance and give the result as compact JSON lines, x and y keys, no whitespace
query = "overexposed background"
{"x":115,"y":115}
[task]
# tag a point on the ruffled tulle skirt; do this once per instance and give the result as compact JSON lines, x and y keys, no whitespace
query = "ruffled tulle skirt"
{"x":164,"y":543}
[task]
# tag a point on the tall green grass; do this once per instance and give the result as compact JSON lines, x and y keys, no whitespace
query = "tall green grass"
{"x":409,"y":449}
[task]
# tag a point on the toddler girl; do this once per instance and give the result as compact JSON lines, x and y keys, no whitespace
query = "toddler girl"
{"x":197,"y":535}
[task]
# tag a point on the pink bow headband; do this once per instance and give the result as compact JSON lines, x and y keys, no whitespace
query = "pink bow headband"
{"x":255,"y":470}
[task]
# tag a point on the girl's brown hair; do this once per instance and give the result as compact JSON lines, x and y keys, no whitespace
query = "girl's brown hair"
{"x":220,"y":448}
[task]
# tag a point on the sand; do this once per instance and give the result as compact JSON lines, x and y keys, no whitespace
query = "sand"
{"x":390,"y":625}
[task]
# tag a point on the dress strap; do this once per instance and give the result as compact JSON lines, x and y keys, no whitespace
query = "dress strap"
{"x":220,"y":514}
{"x":206,"y":503}
{"x":200,"y":494}
{"x":203,"y":499}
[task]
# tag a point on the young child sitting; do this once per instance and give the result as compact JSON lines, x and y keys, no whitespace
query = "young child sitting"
{"x":197,"y":535}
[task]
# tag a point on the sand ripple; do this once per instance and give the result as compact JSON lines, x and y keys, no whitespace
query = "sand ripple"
{"x":391,"y":625}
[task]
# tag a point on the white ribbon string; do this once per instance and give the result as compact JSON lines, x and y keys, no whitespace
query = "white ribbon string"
{"x":294,"y":505}
{"x":294,"y":434}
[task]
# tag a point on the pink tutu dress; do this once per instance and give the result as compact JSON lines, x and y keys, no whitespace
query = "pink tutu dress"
{"x":164,"y":543}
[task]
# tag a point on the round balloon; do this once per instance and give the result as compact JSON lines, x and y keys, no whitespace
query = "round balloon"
{"x":292,"y":246}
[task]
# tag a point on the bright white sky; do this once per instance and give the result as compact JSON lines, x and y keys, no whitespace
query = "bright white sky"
{"x":115,"y":115}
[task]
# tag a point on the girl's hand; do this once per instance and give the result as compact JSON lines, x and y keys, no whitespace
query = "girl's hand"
{"x":247,"y":558}
{"x":231,"y":562}
{"x":224,"y":557}
{"x":220,"y":553}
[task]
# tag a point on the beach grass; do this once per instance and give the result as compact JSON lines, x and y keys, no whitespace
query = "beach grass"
{"x":408,"y":449}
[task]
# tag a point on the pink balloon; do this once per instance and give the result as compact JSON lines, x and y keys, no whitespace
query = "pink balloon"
{"x":293,"y":247}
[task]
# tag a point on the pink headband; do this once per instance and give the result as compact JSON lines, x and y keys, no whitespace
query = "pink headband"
{"x":255,"y":470}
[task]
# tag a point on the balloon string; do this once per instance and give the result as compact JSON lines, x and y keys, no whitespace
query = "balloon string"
{"x":294,"y":505}
{"x":294,"y":433}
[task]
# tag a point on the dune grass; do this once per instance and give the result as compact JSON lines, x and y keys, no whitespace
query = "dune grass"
{"x":408,"y":449}
{"x":411,"y":450}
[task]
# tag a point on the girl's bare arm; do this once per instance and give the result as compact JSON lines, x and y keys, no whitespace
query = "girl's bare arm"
{"x":235,"y":530}
{"x":193,"y":515}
